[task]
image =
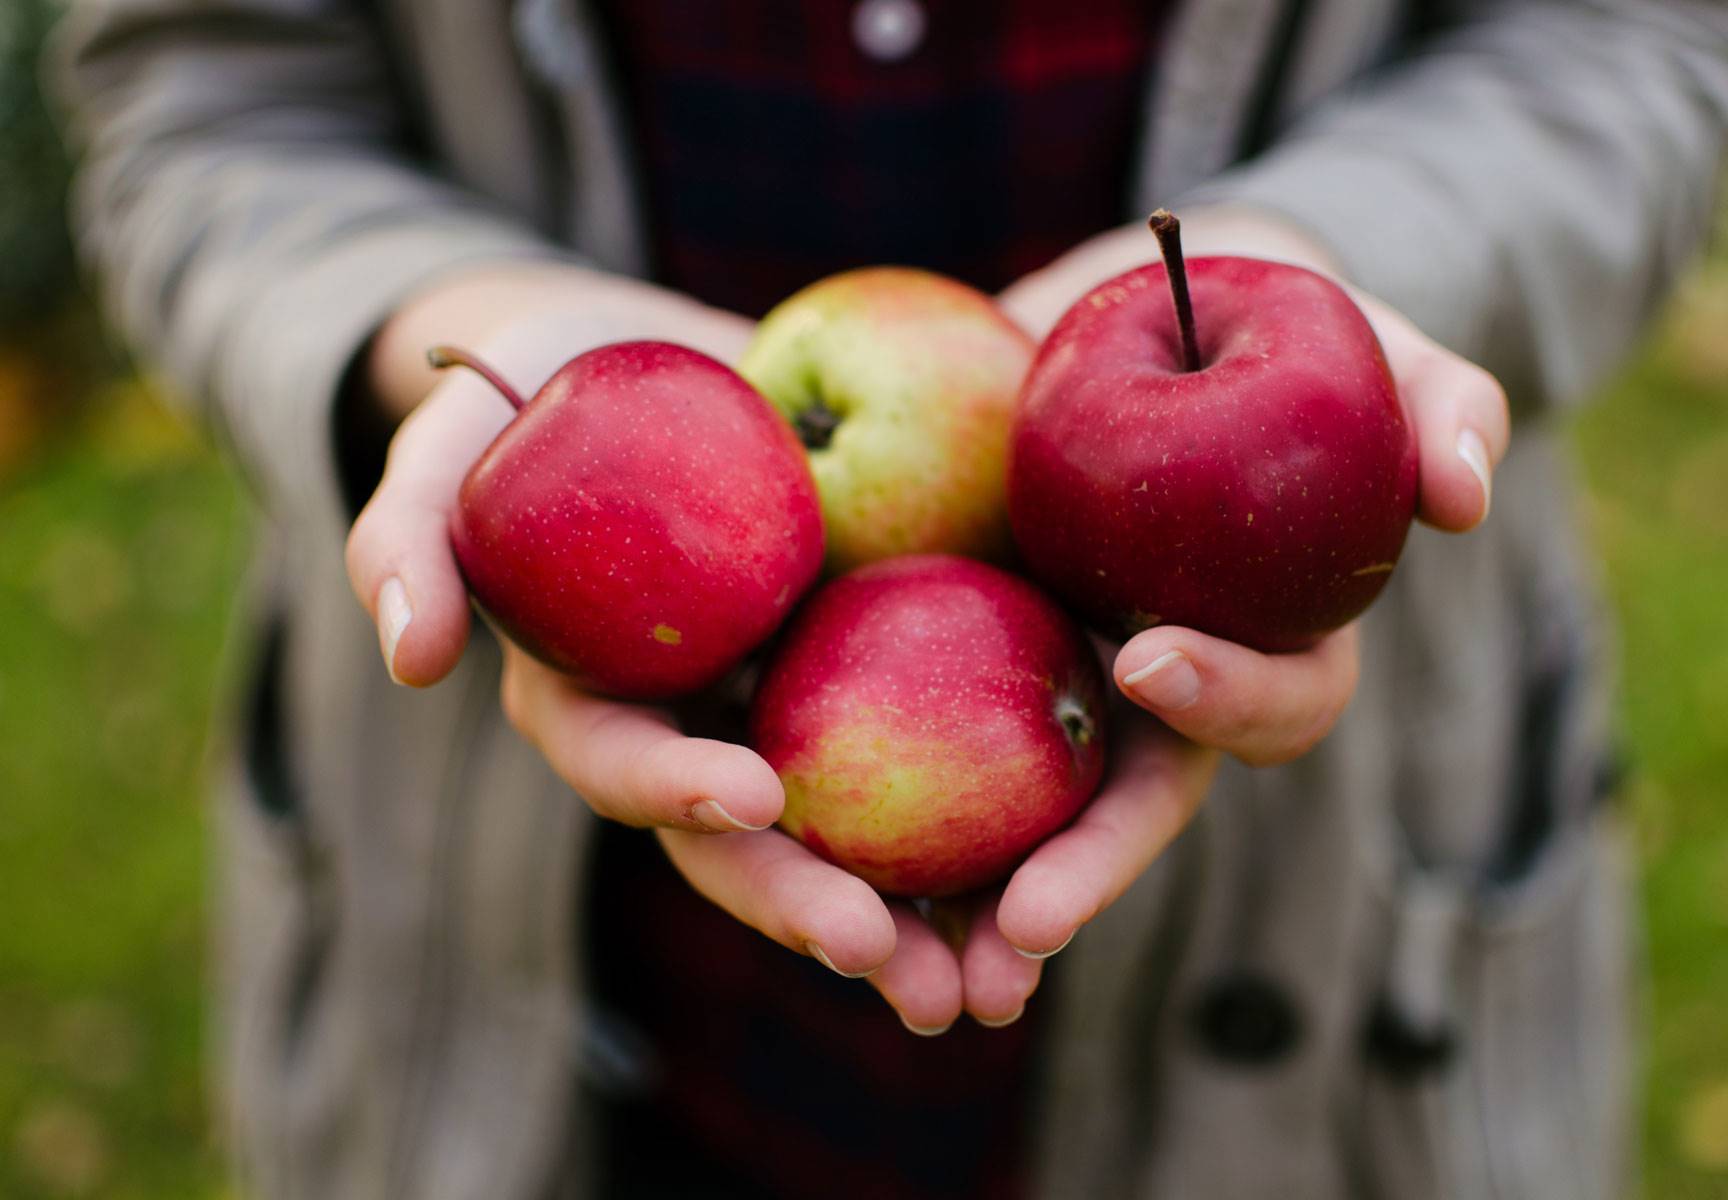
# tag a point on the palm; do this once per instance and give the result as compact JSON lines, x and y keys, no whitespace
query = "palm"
{"x":980,"y":953}
{"x":638,"y":765}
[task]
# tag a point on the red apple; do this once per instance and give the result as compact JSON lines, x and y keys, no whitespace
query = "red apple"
{"x":901,"y":383}
{"x":932,"y":719}
{"x":644,"y":523}
{"x":1251,"y":475}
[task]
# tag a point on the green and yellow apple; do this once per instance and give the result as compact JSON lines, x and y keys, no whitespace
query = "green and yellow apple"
{"x":901,"y":385}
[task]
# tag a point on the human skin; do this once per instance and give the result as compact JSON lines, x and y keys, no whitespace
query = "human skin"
{"x":634,"y":764}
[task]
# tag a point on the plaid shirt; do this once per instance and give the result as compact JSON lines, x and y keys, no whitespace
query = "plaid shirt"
{"x":775,"y":149}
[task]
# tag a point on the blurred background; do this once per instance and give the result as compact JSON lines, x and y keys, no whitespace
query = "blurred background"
{"x":123,"y":540}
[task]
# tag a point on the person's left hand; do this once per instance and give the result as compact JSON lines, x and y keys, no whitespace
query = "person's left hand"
{"x":1205,"y":696}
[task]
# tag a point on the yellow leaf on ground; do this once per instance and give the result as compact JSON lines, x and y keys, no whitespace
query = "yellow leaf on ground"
{"x":1704,"y":1128}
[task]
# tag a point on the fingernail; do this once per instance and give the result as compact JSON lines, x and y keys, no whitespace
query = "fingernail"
{"x":710,"y":815}
{"x":1474,"y":451}
{"x":821,"y":956}
{"x":1045,"y":953}
{"x":926,"y":1031}
{"x":1004,"y":1022}
{"x":1169,"y":681}
{"x":394,"y":614}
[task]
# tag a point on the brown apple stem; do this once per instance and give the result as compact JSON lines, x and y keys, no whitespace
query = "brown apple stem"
{"x":442,"y":357}
{"x":1168,"y":230}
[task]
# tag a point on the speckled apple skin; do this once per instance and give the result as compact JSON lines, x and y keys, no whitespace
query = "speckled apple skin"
{"x":914,"y":712}
{"x":644,"y":523}
{"x":1264,"y":498}
{"x":924,"y":372}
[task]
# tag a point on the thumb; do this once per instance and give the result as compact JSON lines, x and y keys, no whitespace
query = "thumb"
{"x":399,"y":558}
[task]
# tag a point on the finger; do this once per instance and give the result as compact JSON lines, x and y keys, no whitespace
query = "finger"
{"x":922,"y":980}
{"x":998,"y":979}
{"x":1263,"y":708}
{"x":781,"y":890}
{"x":1461,"y":420}
{"x":950,"y":918}
{"x":399,"y":558}
{"x":1156,"y":785}
{"x":1461,"y":432}
{"x":631,"y":763}
{"x":1037,"y":301}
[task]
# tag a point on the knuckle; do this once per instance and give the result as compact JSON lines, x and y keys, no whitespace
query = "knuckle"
{"x":1425,"y":358}
{"x":1276,"y":754}
{"x":1308,"y":713}
{"x":1486,"y":390}
{"x":1486,"y":383}
{"x":650,"y":794}
{"x":1499,"y":412}
{"x":357,"y":549}
{"x":1301,"y":738}
{"x":1316,"y":730}
{"x":770,"y":905}
{"x":646,"y":768}
{"x":853,"y":895}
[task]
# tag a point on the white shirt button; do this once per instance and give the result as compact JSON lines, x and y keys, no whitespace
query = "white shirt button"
{"x":888,"y":30}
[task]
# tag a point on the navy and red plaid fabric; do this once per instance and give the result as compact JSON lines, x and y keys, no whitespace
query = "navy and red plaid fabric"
{"x":767,"y":1075}
{"x":773,"y":151}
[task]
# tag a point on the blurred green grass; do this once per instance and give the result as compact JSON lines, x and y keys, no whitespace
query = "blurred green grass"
{"x":1654,"y":452}
{"x":122,"y":544}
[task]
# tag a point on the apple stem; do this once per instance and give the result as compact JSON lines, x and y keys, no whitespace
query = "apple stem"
{"x":442,"y":357}
{"x":1168,"y":230}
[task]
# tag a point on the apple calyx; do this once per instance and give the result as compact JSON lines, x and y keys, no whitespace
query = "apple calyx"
{"x":816,"y":425}
{"x":443,"y":357}
{"x":1168,"y":230}
{"x":1076,"y":721}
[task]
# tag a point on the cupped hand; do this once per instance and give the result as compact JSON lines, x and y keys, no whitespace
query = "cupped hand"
{"x":980,"y":954}
{"x":1212,"y":696}
{"x":1156,"y":782}
{"x":1268,"y":709}
{"x":526,"y":321}
{"x":631,"y":763}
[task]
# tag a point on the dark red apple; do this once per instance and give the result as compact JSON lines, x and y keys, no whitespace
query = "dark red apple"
{"x":644,"y":523}
{"x":932,"y":719}
{"x":1251,"y":476}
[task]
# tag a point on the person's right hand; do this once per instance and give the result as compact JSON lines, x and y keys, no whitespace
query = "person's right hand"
{"x":526,"y":321}
{"x":629,"y":763}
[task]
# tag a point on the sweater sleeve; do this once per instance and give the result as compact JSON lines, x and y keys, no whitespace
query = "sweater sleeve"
{"x":248,"y":201}
{"x":1525,"y":186}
